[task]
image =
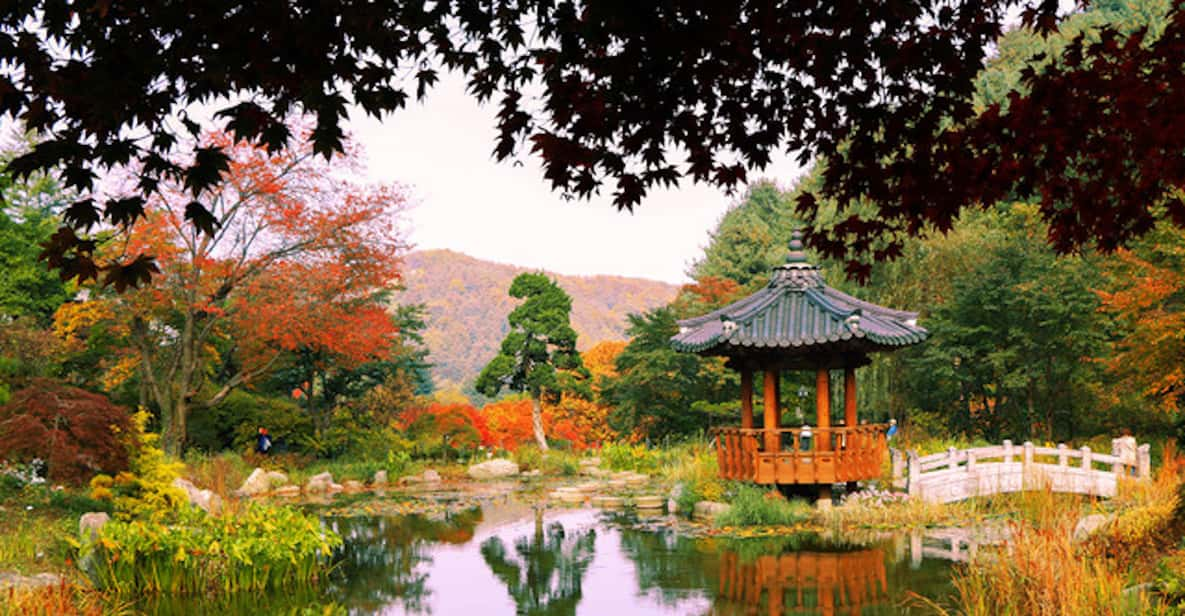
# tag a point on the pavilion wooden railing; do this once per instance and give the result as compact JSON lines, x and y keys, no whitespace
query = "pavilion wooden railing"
{"x":829,"y":455}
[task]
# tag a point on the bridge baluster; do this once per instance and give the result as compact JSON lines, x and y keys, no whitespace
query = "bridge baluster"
{"x":1087,"y":458}
{"x":1007,"y":452}
{"x":1061,"y":455}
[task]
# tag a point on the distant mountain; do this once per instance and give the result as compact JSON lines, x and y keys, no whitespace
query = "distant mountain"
{"x":467,"y":307}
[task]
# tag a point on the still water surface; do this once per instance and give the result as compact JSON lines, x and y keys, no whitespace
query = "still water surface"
{"x":502,"y":558}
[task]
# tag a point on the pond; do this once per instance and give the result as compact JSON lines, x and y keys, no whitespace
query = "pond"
{"x":504,"y":557}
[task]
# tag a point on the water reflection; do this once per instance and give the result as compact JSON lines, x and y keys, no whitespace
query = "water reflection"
{"x":571,"y":562}
{"x":384,"y":562}
{"x":544,"y":573}
{"x":819,"y":582}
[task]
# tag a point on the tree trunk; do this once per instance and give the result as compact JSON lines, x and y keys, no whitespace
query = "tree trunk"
{"x":537,"y":421}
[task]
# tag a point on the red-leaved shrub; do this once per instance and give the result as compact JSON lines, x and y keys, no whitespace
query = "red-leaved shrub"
{"x":76,"y":432}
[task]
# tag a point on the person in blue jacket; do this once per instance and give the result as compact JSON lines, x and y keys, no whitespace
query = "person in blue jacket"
{"x":263,"y":442}
{"x":892,"y":429}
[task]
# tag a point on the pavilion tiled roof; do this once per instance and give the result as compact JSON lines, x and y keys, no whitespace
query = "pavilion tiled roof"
{"x":798,"y":313}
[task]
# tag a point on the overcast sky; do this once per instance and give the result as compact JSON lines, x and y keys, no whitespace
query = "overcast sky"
{"x":507,"y":213}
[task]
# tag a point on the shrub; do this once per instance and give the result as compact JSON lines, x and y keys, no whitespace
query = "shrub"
{"x":77,"y":504}
{"x":528,"y":457}
{"x":259,"y":548}
{"x":753,"y":506}
{"x":445,"y":429}
{"x":75,"y":431}
{"x":625,"y":457}
{"x":698,"y":475}
{"x":233,"y":423}
{"x":148,"y":489}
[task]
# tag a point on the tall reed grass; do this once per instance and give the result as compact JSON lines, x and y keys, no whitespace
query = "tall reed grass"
{"x":1042,"y":572}
{"x":64,"y":599}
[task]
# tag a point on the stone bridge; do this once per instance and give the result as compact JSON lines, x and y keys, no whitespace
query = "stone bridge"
{"x":960,"y":474}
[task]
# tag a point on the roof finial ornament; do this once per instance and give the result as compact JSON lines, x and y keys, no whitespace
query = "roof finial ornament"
{"x":797,"y":252}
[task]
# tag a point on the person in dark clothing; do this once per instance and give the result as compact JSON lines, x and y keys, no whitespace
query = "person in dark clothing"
{"x":263,"y":442}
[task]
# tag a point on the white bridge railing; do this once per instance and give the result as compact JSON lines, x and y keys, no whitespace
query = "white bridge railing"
{"x":959,"y":474}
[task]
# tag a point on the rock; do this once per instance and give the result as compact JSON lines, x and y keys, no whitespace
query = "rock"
{"x":708,"y":510}
{"x":15,"y":580}
{"x":380,"y":478}
{"x":353,"y":486}
{"x":334,"y":488}
{"x":608,"y":502}
{"x":493,"y":469}
{"x":257,"y":483}
{"x":428,"y":476}
{"x":90,"y":523}
{"x":319,"y":484}
{"x":649,"y":501}
{"x":1089,"y":524}
{"x":288,"y":491}
{"x":276,"y":479}
{"x":207,"y":500}
{"x":534,"y":473}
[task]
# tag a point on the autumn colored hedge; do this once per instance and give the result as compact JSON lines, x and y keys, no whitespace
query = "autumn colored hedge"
{"x":76,"y":432}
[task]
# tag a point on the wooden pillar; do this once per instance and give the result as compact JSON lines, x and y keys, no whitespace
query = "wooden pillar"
{"x":849,"y":397}
{"x":746,"y":398}
{"x":823,"y":408}
{"x":772,"y":439}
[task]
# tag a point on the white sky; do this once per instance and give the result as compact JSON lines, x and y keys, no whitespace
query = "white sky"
{"x":507,"y":213}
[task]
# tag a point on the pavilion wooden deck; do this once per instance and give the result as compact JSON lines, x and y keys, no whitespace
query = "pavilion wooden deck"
{"x":782,"y":456}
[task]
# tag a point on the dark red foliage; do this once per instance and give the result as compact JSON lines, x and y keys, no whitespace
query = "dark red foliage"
{"x":880,"y":90}
{"x":76,"y":432}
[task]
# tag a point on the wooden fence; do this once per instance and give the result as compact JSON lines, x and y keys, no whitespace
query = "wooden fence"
{"x":960,"y":474}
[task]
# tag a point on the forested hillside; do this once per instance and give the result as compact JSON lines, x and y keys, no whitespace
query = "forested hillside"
{"x":467,"y":307}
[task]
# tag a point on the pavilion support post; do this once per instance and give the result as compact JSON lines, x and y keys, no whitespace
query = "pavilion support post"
{"x":823,"y":408}
{"x":772,"y":439}
{"x":746,"y":399}
{"x":849,"y":397}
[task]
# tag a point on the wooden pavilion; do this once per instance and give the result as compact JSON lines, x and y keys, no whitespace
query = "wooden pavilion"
{"x":797,"y":322}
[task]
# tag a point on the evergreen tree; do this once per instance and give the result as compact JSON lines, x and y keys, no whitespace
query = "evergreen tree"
{"x":541,"y":345}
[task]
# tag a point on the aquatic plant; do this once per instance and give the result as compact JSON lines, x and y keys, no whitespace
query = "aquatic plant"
{"x":260,"y":548}
{"x":753,"y":506}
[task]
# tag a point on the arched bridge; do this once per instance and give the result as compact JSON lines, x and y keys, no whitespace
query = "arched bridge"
{"x":960,"y":474}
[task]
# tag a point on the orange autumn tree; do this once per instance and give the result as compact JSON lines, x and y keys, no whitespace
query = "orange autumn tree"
{"x":509,"y":424}
{"x":289,"y":252}
{"x":1145,"y":289}
{"x":571,"y":418}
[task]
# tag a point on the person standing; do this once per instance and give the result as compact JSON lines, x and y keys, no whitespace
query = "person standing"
{"x":892,"y":430}
{"x":1125,"y":449}
{"x":263,"y":442}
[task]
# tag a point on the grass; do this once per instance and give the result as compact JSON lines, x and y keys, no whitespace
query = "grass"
{"x":753,"y":506}
{"x":65,"y":599}
{"x":34,"y":540}
{"x":557,"y":462}
{"x":1044,"y":570}
{"x":1041,"y":571}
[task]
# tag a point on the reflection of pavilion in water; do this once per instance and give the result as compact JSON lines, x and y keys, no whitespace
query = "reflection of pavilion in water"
{"x":802,"y":582}
{"x":859,"y":581}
